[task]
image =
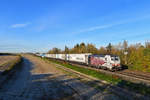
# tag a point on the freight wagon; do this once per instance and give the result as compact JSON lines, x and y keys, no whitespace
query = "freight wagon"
{"x":80,"y":58}
{"x":110,"y":62}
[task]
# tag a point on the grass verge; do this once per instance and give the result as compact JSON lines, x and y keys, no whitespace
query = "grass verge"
{"x":12,"y":65}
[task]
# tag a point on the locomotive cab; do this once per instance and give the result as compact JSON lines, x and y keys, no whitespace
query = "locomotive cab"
{"x":115,"y":62}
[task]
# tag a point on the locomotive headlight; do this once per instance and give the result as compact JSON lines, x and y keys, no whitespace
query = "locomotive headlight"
{"x":113,"y":64}
{"x":118,"y":64}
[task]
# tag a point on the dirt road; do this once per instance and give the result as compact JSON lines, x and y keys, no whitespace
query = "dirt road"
{"x":38,"y":80}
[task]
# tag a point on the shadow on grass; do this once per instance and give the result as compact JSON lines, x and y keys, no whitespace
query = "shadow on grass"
{"x":137,"y":87}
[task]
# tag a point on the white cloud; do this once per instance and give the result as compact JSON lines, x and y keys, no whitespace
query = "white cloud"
{"x":106,"y":26}
{"x":97,"y":28}
{"x":19,"y":25}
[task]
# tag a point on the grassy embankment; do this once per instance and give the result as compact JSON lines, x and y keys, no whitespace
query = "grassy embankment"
{"x":10,"y":65}
{"x":139,"y":88}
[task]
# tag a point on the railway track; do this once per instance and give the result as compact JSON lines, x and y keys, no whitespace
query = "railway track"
{"x":129,"y":76}
{"x":112,"y":88}
{"x":144,"y":77}
{"x":125,"y":75}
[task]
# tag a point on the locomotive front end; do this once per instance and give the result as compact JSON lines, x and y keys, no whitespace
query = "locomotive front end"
{"x":115,"y":63}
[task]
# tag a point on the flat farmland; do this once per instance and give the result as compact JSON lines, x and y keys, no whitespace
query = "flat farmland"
{"x":7,"y":60}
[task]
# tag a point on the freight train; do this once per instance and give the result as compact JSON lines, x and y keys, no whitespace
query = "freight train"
{"x":110,"y":62}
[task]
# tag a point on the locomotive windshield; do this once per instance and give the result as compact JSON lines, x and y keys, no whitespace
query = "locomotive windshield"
{"x":114,"y":58}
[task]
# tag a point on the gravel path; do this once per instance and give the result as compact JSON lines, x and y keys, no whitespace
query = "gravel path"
{"x":38,"y":80}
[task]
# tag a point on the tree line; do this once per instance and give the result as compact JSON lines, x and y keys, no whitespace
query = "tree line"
{"x":135,"y":56}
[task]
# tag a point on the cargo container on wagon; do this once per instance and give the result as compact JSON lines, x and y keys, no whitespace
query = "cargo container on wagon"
{"x":61,"y":56}
{"x":80,"y":58}
{"x":50,"y":55}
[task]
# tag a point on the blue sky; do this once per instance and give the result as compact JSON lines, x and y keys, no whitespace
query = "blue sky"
{"x":38,"y":25}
